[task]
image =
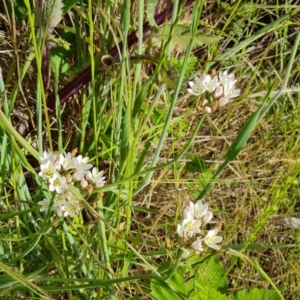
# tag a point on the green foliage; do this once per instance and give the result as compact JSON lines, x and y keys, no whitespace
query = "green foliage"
{"x":123,"y":243}
{"x":151,"y":5}
{"x":195,"y":164}
{"x":52,"y":12}
{"x":180,"y":38}
{"x":203,"y":278}
{"x":172,"y":69}
{"x":255,"y":294}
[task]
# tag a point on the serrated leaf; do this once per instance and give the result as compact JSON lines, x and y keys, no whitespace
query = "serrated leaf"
{"x":161,"y":291}
{"x":173,"y":67}
{"x":181,"y":37}
{"x":211,"y":273}
{"x":54,"y":11}
{"x":208,"y":293}
{"x":151,"y":5}
{"x":255,"y":294}
{"x":177,"y":281}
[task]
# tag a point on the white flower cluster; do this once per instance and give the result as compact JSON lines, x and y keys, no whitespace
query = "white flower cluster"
{"x":196,"y":216}
{"x":221,"y":86}
{"x":63,"y":170}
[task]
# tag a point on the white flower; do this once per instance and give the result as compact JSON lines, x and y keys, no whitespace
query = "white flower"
{"x":230,"y":91}
{"x":188,"y":212}
{"x":226,"y":78}
{"x":195,"y":210}
{"x":57,"y":183}
{"x":200,"y":209}
{"x":81,"y":164}
{"x":96,"y":177}
{"x":211,"y":83}
{"x":67,"y":161}
{"x":212,"y":239}
{"x":66,"y":194}
{"x":45,"y":205}
{"x":197,"y":245}
{"x":59,"y":202}
{"x":223,"y":101}
{"x":198,"y":87}
{"x":78,"y":175}
{"x":188,"y":228}
{"x":218,"y":91}
{"x":48,"y":156}
{"x":206,"y":218}
{"x":83,"y":183}
{"x":185,"y":253}
{"x":71,"y":208}
{"x":48,"y":169}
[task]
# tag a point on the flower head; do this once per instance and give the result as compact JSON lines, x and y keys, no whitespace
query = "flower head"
{"x":198,"y":87}
{"x":67,"y":161}
{"x":188,"y":227}
{"x":45,"y":205}
{"x":200,"y":209}
{"x":48,"y":169}
{"x":230,"y":91}
{"x":211,"y":83}
{"x":207,"y":217}
{"x":71,"y":208}
{"x":212,"y":239}
{"x":57,"y":183}
{"x":48,"y":156}
{"x":96,"y":177}
{"x":59,"y":202}
{"x":81,"y":164}
{"x":226,"y":78}
{"x":188,"y":212}
{"x":197,"y":245}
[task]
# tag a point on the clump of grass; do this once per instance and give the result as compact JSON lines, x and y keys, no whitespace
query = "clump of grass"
{"x":158,"y":149}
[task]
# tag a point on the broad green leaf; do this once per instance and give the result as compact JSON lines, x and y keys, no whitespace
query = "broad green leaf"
{"x":161,"y":291}
{"x":255,"y":294}
{"x":151,"y":5}
{"x":181,"y":37}
{"x":173,"y":67}
{"x":68,"y":5}
{"x":177,"y":281}
{"x":59,"y":62}
{"x":54,"y":11}
{"x":208,"y":293}
{"x":211,"y":273}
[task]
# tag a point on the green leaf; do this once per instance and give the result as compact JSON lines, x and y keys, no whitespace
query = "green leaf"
{"x":208,"y":293}
{"x":59,"y":62}
{"x":68,"y":5}
{"x":255,"y":294}
{"x":54,"y":11}
{"x":161,"y":291}
{"x":151,"y":5}
{"x":211,"y":273}
{"x":173,"y":67}
{"x":181,"y":37}
{"x":244,"y":134}
{"x":195,"y":164}
{"x":177,"y":281}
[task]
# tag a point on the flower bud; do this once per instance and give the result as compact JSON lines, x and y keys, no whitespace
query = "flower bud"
{"x":207,"y":109}
{"x":223,"y":101}
{"x":218,"y":91}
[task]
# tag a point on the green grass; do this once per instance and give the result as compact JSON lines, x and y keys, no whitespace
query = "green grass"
{"x":136,"y":121}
